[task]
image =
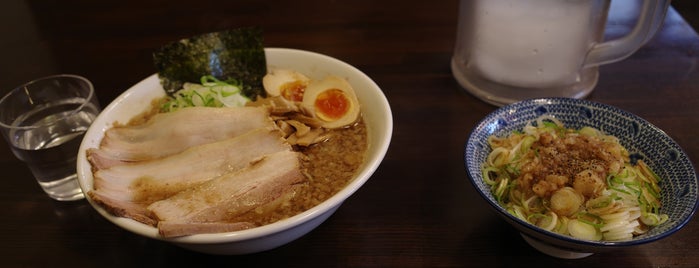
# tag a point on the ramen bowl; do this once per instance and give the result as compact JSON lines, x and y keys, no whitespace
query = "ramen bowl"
{"x":642,"y":140}
{"x":376,"y":113}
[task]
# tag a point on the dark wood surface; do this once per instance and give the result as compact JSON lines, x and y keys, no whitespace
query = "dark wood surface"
{"x":417,"y":210}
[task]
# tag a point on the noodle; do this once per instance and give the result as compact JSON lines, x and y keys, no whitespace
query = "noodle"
{"x":579,"y":183}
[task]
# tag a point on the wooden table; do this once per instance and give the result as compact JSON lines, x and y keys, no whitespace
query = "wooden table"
{"x":418,"y":209}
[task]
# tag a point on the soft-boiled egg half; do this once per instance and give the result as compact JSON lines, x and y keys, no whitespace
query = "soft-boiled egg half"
{"x":288,"y":84}
{"x":333,"y":101}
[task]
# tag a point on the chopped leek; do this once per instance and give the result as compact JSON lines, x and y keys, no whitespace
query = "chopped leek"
{"x":210,"y":93}
{"x":583,"y":230}
{"x":589,"y":131}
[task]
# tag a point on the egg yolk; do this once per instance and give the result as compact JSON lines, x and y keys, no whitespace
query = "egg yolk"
{"x":332,"y":104}
{"x":293,"y":91}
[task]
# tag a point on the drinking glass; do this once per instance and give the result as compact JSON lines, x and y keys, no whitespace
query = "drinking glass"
{"x":43,"y":121}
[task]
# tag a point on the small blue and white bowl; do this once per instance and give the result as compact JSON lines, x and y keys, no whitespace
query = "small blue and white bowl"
{"x":642,"y":139}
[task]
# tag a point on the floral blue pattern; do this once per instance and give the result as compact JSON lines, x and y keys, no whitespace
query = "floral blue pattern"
{"x":642,"y":139}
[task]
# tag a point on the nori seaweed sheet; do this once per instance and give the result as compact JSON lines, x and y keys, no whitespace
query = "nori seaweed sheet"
{"x":232,"y":54}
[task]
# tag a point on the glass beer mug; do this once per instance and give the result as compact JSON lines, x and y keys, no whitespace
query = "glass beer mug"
{"x":511,"y":50}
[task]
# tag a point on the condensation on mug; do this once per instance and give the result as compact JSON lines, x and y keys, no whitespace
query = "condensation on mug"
{"x":509,"y":50}
{"x":544,"y":46}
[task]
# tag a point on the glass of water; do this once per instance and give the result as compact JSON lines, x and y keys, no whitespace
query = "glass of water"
{"x":43,"y":122}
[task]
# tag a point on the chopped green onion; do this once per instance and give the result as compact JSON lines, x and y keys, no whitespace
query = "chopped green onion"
{"x":583,"y":230}
{"x":210,"y":93}
{"x":487,"y":175}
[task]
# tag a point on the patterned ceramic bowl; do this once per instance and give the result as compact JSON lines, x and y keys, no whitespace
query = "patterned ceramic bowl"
{"x":638,"y":136}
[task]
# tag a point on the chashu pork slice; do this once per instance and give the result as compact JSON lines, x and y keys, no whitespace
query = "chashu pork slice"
{"x":222,"y":199}
{"x":127,"y":190}
{"x":170,"y":133}
{"x":174,"y":229}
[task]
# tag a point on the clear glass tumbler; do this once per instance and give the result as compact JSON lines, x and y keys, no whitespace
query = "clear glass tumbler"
{"x":43,"y":122}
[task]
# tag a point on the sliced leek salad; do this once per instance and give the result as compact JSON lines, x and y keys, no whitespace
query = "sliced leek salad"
{"x":579,"y":183}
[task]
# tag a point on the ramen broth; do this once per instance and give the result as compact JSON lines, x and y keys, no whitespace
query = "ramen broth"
{"x":328,"y":167}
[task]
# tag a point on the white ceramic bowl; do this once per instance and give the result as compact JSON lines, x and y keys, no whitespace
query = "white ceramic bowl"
{"x":643,"y":141}
{"x":377,"y":115}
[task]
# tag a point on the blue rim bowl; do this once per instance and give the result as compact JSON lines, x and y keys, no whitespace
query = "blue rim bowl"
{"x":642,"y":139}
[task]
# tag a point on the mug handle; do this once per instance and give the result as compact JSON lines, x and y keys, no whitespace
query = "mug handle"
{"x":649,"y":21}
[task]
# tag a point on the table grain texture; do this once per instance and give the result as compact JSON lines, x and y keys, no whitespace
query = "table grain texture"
{"x":417,"y":210}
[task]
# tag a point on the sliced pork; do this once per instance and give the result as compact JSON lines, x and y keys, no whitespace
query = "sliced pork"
{"x":223,"y":198}
{"x":149,"y":181}
{"x":172,"y":229}
{"x":196,"y":170}
{"x":124,"y":208}
{"x":169,"y":133}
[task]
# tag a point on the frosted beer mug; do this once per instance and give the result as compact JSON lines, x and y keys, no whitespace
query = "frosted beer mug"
{"x":511,"y":50}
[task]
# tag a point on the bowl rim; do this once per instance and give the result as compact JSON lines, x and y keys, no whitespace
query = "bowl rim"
{"x":369,"y":166}
{"x":469,"y":148}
